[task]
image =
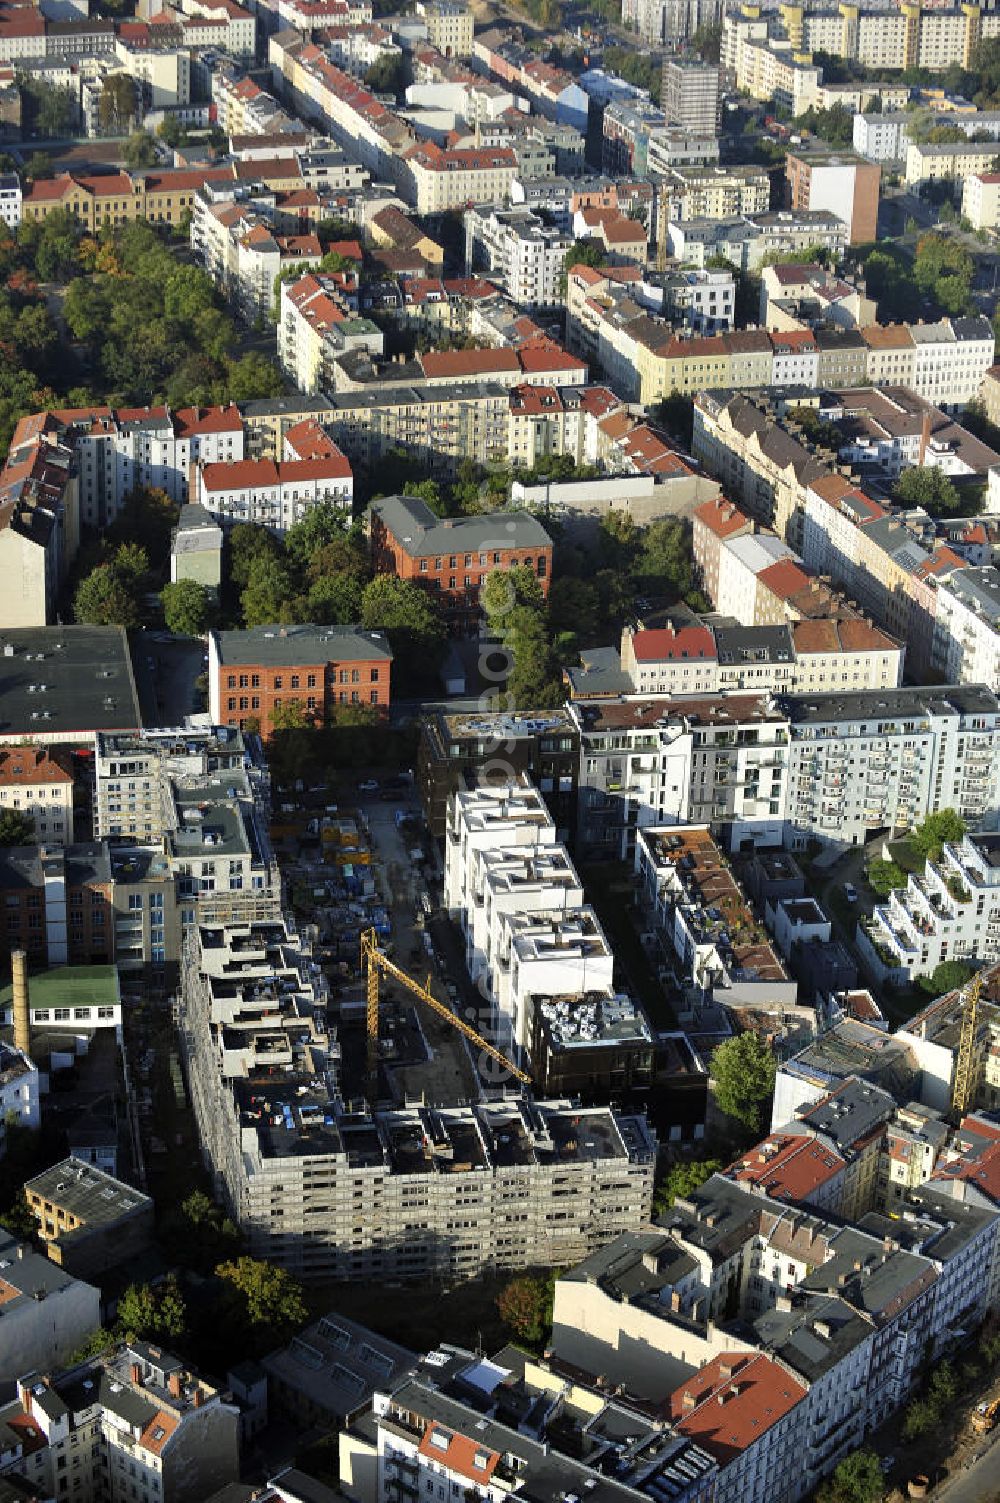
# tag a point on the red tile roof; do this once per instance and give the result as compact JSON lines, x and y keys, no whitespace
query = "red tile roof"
{"x":668,"y":645}
{"x":732,"y":1401}
{"x":784,"y":578}
{"x":722,"y":517}
{"x":787,"y":1166}
{"x":459,"y":1454}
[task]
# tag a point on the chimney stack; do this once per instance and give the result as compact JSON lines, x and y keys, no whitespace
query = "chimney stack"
{"x":22,"y":1014}
{"x":198,"y":1398}
{"x":174,"y":1385}
{"x":135,"y":1373}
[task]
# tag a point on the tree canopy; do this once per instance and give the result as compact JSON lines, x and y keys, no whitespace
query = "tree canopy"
{"x":186,"y":607}
{"x":743,"y":1069}
{"x":682,"y":1180}
{"x":525,"y":1306}
{"x":856,"y":1479}
{"x":16,"y":827}
{"x":943,"y":828}
{"x":929,"y":487}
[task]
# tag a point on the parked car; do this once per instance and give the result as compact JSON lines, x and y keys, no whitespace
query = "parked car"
{"x":850,"y":892}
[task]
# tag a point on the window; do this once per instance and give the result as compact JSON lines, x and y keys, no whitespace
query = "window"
{"x":135,"y":900}
{"x":355,"y":675}
{"x":278,"y":682}
{"x":255,"y":680}
{"x":374,"y":675}
{"x":295,"y":681}
{"x":231,"y":681}
{"x":244,"y":682}
{"x":423,"y":566}
{"x":373,"y":697}
{"x":310,"y":680}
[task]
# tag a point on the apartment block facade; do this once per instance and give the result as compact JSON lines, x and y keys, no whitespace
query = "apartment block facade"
{"x":255,"y":675}
{"x":408,"y":1192}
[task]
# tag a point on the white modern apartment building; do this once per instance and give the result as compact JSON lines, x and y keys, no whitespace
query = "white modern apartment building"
{"x":952,"y":358}
{"x":134,"y":773}
{"x":981,"y":200}
{"x":524,"y":254}
{"x":965,"y":645}
{"x":884,"y":759}
{"x":881,"y":138}
{"x":950,"y":912}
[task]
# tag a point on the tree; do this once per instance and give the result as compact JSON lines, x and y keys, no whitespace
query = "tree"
{"x":929,"y":487}
{"x":584,"y":253}
{"x":409,"y":617}
{"x":525,"y":1305}
{"x":139,"y":151}
{"x":16,"y":828}
{"x":856,"y":1479}
{"x":38,"y":166}
{"x":322,"y":524}
{"x":148,"y":517}
{"x":682,"y":1180}
{"x":266,"y":1297}
{"x":946,"y":977}
{"x":387,"y":74}
{"x":944,"y":828}
{"x":334,"y":601}
{"x":504,"y":589}
{"x":706,"y":41}
{"x":884,"y":877}
{"x":198,"y":1234}
{"x":116,"y":106}
{"x":574,"y":606}
{"x":186,"y":607}
{"x":269,"y":590}
{"x":743,"y":1069}
{"x":252,"y":378}
{"x":290,"y":715}
{"x":106,"y":597}
{"x":247,"y":543}
{"x":153,"y":1312}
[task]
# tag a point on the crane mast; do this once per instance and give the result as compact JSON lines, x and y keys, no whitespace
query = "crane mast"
{"x":375,"y":965}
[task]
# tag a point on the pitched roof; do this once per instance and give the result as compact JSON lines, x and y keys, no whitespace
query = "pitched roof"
{"x":732,"y":1401}
{"x":668,"y":645}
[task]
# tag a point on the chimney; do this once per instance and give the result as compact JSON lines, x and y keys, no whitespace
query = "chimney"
{"x":135,"y":1373}
{"x":688,"y":1401}
{"x":675,"y":1302}
{"x":925,"y":435}
{"x":174,"y":1385}
{"x":198,"y":1398}
{"x":22,"y":1015}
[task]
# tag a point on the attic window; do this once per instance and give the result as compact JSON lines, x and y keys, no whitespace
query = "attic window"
{"x":441,"y":1439}
{"x":159,"y":1433}
{"x":481,"y":1460}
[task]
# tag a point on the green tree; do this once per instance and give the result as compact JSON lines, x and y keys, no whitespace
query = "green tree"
{"x":16,"y":828}
{"x":682,"y":1180}
{"x":743,"y":1069}
{"x":148,"y":517}
{"x":186,"y":607}
{"x":927,"y":840}
{"x":268,"y":594}
{"x":38,"y":166}
{"x":323,"y":524}
{"x":856,"y":1479}
{"x":408,"y":616}
{"x":252,"y":378}
{"x":198,"y":1234}
{"x":116,"y":107}
{"x":265,"y":1296}
{"x":533,"y":682}
{"x":106,"y":597}
{"x":290,"y":715}
{"x":387,"y":75}
{"x":946,"y":977}
{"x":928,"y":487}
{"x":884,"y":877}
{"x":505,"y":589}
{"x":525,"y":1306}
{"x":153,"y":1312}
{"x":706,"y":41}
{"x":575,"y":606}
{"x":584,"y":253}
{"x":249,"y":542}
{"x":139,"y":151}
{"x":334,"y":600}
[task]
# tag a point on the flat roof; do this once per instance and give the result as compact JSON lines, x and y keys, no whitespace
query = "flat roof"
{"x":290,"y":646}
{"x":69,"y":986}
{"x":66,"y":681}
{"x":86,"y":1192}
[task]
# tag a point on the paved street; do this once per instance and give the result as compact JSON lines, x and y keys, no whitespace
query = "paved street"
{"x":978,"y":1483}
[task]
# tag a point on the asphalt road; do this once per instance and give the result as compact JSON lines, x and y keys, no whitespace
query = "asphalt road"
{"x":165,"y":675}
{"x":978,"y":1483}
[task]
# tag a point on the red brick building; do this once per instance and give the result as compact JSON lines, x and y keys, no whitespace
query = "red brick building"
{"x":252,"y":674}
{"x":453,"y":556}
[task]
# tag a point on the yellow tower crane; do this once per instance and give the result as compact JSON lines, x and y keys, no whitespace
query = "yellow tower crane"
{"x":962,"y":1086}
{"x":375,"y":965}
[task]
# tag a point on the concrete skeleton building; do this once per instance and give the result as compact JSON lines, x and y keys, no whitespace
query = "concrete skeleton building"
{"x":509,"y":1183}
